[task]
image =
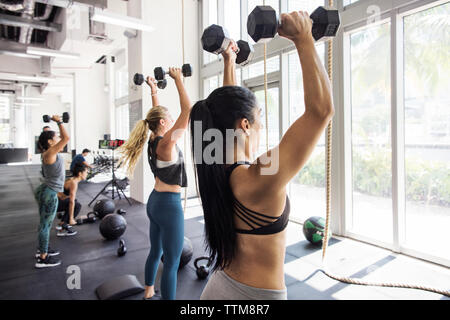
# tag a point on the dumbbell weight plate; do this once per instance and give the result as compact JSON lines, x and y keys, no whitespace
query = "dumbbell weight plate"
{"x":162,"y":84}
{"x":215,"y":39}
{"x":187,"y":70}
{"x":159,"y":73}
{"x":326,"y":23}
{"x":65,"y":117}
{"x":46,"y":118}
{"x":245,"y":53}
{"x":138,"y":79}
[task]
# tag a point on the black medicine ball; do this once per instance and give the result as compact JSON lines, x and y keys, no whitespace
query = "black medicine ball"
{"x":112,"y":226}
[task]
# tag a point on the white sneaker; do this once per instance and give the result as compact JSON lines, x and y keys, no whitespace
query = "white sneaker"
{"x":66,"y":231}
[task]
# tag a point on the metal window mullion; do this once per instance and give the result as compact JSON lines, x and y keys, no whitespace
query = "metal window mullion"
{"x":346,"y":156}
{"x":397,"y":131}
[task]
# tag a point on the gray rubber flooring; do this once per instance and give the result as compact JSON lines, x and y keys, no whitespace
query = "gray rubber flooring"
{"x":98,"y":261}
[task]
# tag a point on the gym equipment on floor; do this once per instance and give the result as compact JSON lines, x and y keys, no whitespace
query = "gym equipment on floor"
{"x":104,"y":207}
{"x":203,"y":270}
{"x":119,"y":288}
{"x":122,"y":248}
{"x":313,"y":230}
{"x":263,"y":23}
{"x":112,"y":226}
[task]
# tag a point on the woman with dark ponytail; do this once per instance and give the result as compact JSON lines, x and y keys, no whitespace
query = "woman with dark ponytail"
{"x":164,"y":204}
{"x":47,"y":193}
{"x":244,"y":201}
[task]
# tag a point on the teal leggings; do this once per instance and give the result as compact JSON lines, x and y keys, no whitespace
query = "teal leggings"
{"x":166,"y":236}
{"x":48,"y":202}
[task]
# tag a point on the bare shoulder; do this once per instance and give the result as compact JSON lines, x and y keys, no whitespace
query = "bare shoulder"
{"x":250,"y":190}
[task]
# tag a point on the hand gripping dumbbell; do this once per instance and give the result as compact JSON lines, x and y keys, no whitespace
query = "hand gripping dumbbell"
{"x":65,"y":118}
{"x":215,"y":39}
{"x":160,"y":74}
{"x":263,"y":23}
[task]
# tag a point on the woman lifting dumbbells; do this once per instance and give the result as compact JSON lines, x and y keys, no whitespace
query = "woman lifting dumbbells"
{"x":46,"y":194}
{"x":164,"y":204}
{"x":244,"y":201}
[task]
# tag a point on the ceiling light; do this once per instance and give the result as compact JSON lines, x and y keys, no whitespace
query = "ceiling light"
{"x":52,"y":53}
{"x":26,"y":104}
{"x":120,"y":20}
{"x":35,"y":79}
{"x":29,"y":99}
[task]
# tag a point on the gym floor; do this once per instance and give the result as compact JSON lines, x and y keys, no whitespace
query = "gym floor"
{"x":98,"y":261}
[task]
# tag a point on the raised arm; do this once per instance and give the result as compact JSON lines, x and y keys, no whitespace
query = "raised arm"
{"x":154,"y":89}
{"x":298,"y":143}
{"x":229,"y":61}
{"x":50,"y":154}
{"x":177,"y":131}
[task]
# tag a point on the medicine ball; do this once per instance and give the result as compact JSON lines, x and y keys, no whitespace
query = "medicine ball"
{"x":313,"y":229}
{"x":112,"y":226}
{"x":186,"y":254}
{"x":104,"y":207}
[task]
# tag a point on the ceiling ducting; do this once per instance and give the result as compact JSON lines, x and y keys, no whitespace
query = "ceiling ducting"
{"x":27,"y":21}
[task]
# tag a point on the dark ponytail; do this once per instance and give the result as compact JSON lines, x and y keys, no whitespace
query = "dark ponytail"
{"x":43,"y":140}
{"x":219,"y":111}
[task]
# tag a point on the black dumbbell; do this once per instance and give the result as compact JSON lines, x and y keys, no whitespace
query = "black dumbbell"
{"x":65,"y":117}
{"x":263,"y":23}
{"x":215,"y":39}
{"x":122,"y":250}
{"x":160,"y":76}
{"x":139,"y":79}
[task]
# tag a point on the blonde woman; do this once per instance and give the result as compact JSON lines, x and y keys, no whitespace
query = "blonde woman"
{"x":164,"y":203}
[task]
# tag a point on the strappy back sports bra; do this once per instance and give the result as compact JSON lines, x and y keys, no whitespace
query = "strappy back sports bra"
{"x":259,"y":223}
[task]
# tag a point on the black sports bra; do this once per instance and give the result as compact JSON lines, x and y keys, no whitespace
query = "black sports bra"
{"x":261,"y":224}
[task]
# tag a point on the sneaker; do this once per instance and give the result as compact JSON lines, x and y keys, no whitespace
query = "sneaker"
{"x":50,"y":252}
{"x":66,"y":231}
{"x":58,"y":227}
{"x":47,"y":262}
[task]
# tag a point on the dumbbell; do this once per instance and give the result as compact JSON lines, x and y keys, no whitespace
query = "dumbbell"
{"x":139,"y":80}
{"x":215,"y":39}
{"x":263,"y":23}
{"x":65,"y":117}
{"x":160,"y":74}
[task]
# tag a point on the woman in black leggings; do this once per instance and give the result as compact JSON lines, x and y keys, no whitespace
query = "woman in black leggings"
{"x":68,"y":202}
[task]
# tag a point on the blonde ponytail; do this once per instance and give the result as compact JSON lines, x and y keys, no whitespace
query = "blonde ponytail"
{"x":132,"y":149}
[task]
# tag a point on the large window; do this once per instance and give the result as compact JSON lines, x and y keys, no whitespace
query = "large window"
{"x":5,"y":130}
{"x":304,"y":5}
{"x":210,"y":16}
{"x":371,"y":132}
{"x":122,"y":122}
{"x":232,"y":18}
{"x":427,"y":130}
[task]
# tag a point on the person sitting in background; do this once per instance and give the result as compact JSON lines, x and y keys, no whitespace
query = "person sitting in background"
{"x":80,"y":159}
{"x":68,"y":202}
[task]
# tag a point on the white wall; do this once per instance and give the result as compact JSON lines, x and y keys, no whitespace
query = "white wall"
{"x":51,"y":105}
{"x":91,"y":108}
